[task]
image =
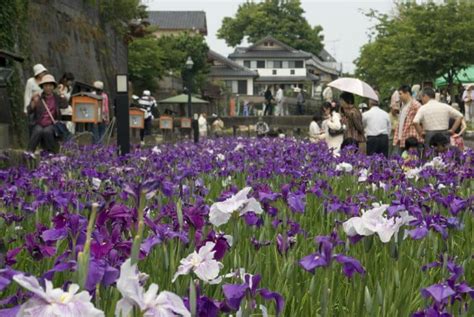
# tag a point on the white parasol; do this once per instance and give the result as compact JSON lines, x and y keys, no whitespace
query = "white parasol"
{"x":355,"y":86}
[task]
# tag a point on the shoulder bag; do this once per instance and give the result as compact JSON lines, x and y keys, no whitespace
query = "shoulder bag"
{"x":60,"y":129}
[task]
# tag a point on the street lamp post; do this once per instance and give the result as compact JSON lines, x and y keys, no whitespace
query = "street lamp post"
{"x":194,"y":123}
{"x":189,"y":67}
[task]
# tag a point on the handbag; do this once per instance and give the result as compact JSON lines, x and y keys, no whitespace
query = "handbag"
{"x":333,"y":132}
{"x":60,"y":129}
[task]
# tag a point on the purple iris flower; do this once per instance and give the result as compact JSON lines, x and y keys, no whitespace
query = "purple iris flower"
{"x":313,"y":261}
{"x":222,"y":244}
{"x":350,"y":265}
{"x":297,"y":202}
{"x":234,"y":293}
{"x":252,"y":219}
{"x":418,"y":233}
{"x":439,"y":292}
{"x":284,"y":243}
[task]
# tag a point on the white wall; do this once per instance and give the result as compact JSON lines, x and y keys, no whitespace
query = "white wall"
{"x":281,"y":72}
{"x":250,"y":86}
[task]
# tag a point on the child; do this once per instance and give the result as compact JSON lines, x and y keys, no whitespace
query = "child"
{"x":411,"y":152}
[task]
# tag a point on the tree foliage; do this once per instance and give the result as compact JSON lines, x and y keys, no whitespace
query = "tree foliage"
{"x":177,"y":48}
{"x":151,"y":58}
{"x":419,"y":42}
{"x":146,"y":61}
{"x":282,"y":19}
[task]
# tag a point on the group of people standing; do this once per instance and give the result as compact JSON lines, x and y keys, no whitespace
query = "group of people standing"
{"x":376,"y":132}
{"x":278,"y":106}
{"x":46,"y":101}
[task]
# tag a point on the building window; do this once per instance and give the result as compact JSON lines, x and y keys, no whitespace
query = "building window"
{"x":292,"y":72}
{"x":277,"y":64}
{"x":228,"y":84}
{"x":274,"y":72}
{"x":247,"y":64}
{"x":242,"y":87}
{"x":260,"y":64}
{"x":295,"y":64}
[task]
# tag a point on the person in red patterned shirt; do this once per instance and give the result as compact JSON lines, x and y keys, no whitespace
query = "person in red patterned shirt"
{"x":405,"y":128}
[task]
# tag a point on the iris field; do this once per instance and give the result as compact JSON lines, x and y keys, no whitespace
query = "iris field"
{"x":241,"y":227}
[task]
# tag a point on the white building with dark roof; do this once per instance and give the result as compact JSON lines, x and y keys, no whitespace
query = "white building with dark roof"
{"x":238,"y":78}
{"x":279,"y":64}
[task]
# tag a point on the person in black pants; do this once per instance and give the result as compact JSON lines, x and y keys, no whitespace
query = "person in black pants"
{"x":268,"y":102}
{"x":195,"y":128}
{"x":377,"y":127}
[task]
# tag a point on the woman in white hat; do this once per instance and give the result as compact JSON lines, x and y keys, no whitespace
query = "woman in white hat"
{"x":98,"y":130}
{"x":45,"y":110}
{"x":32,"y":84}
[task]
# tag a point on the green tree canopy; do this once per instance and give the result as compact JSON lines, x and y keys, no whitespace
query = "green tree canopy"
{"x":177,"y":48}
{"x":419,"y":42}
{"x":146,"y":61}
{"x":282,"y":19}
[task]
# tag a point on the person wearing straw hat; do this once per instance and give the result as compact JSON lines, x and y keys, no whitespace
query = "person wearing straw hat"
{"x":32,"y":84}
{"x":45,"y":110}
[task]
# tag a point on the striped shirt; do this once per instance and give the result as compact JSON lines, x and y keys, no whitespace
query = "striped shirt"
{"x":434,"y":116}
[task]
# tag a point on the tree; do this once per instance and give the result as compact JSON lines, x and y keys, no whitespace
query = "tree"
{"x":419,"y":42}
{"x":146,"y":60}
{"x":177,"y":48}
{"x":282,"y":19}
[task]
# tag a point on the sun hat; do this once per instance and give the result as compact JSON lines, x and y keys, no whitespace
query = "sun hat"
{"x":99,"y":85}
{"x":38,"y":69}
{"x":48,"y":79}
{"x":146,"y":93}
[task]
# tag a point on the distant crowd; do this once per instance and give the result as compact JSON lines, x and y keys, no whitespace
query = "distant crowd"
{"x":418,"y":119}
{"x":47,"y":104}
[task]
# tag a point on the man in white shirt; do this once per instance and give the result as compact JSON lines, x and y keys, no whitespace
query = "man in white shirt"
{"x":202,"y":122}
{"x":433,"y":117}
{"x":279,"y":98}
{"x":377,"y":129}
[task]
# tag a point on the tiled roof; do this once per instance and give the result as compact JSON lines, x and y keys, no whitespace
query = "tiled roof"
{"x":179,"y":20}
{"x":325,"y":56}
{"x":228,"y":68}
{"x":270,"y":54}
{"x":228,"y":72}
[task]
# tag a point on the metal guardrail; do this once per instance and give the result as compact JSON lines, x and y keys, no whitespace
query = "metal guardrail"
{"x":283,"y":122}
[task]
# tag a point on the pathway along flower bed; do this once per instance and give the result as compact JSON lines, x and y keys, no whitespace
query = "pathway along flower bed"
{"x":267,"y":226}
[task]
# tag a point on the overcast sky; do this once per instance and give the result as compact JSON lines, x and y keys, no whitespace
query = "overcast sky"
{"x":345,"y":27}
